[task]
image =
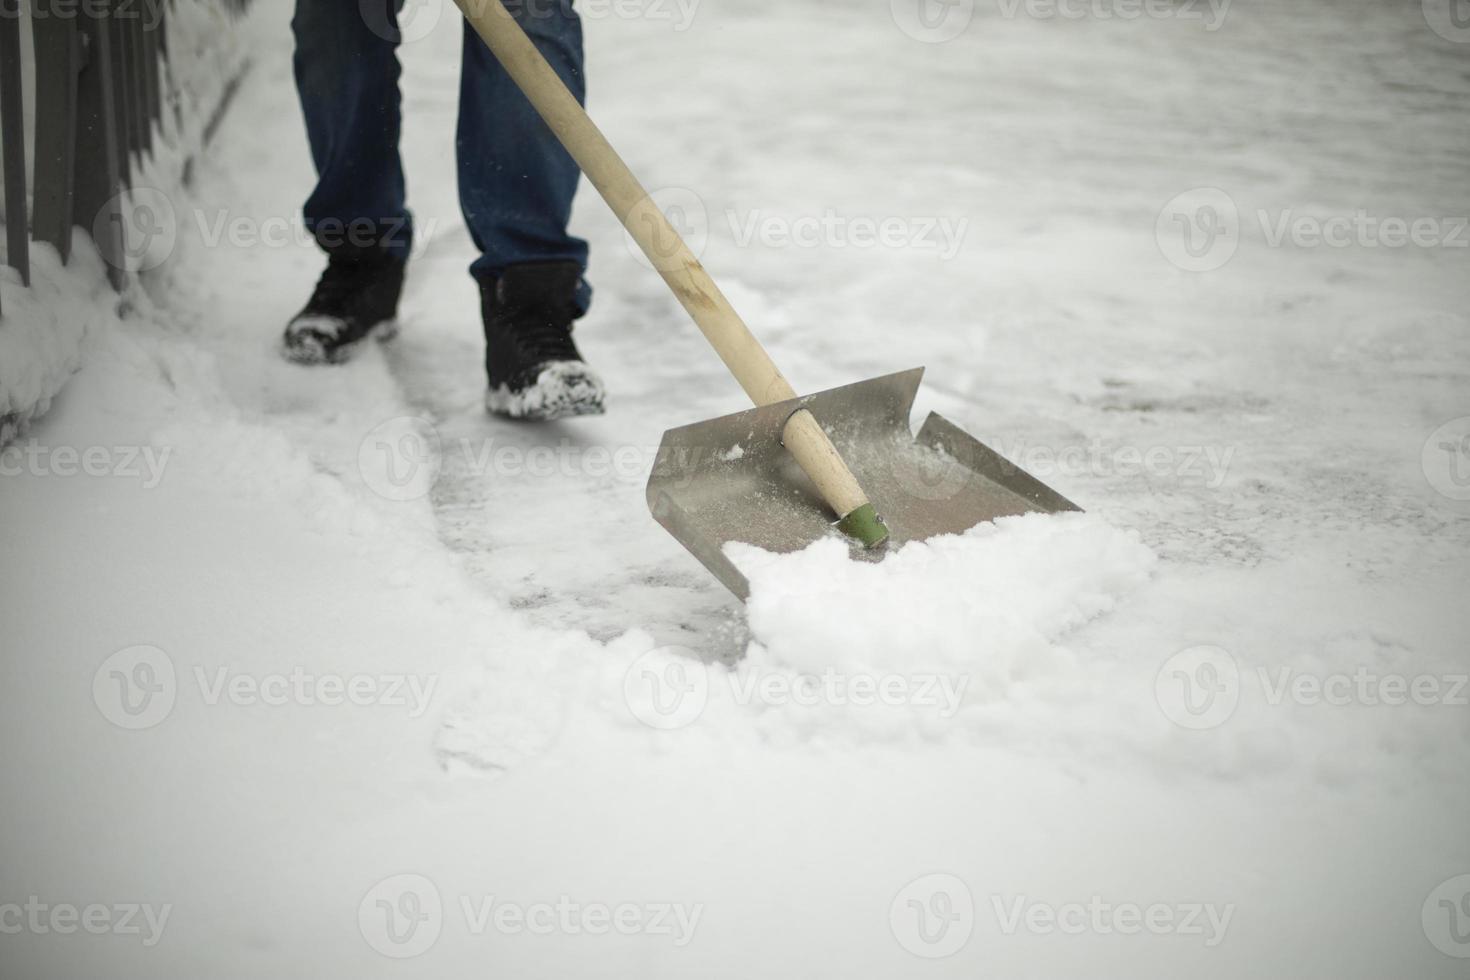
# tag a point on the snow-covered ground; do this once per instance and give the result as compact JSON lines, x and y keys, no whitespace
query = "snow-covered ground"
{"x":323,"y":673}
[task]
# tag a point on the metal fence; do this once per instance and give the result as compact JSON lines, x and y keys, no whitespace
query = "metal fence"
{"x":98,"y":94}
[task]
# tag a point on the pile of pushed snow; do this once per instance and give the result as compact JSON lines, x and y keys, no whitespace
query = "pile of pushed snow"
{"x":993,"y":598}
{"x":952,"y":637}
{"x":934,"y":632}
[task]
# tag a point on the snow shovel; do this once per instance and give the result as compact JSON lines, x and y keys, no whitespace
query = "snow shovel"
{"x":785,"y":473}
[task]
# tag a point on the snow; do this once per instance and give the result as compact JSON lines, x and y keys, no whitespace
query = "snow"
{"x":44,"y":327}
{"x":562,"y":389}
{"x":983,"y":611}
{"x":1209,"y":729}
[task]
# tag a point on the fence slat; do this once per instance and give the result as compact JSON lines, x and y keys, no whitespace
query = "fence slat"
{"x":142,"y":133}
{"x":168,"y":97}
{"x":98,"y":173}
{"x":12,"y":132}
{"x":58,"y":60}
{"x":151,"y":34}
{"x":119,"y":55}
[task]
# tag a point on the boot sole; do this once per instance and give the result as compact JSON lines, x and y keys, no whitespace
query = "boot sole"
{"x":563,"y":389}
{"x":311,"y":352}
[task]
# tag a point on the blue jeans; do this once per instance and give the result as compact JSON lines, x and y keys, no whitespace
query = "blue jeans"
{"x":515,"y":180}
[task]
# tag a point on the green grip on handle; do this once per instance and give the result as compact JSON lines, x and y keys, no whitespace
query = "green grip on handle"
{"x":865,"y":525}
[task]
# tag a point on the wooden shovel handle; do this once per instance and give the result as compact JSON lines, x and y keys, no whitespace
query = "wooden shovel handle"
{"x":665,"y":248}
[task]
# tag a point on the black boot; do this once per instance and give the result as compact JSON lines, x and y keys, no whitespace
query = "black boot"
{"x":534,"y":368}
{"x":356,"y":298}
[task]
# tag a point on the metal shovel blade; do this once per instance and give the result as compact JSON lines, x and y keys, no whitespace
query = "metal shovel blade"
{"x":730,"y":479}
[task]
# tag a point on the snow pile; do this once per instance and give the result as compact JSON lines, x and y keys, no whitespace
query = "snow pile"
{"x":43,"y":328}
{"x":938,"y":630}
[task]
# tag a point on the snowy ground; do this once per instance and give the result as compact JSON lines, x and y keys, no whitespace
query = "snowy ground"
{"x":1159,"y":740}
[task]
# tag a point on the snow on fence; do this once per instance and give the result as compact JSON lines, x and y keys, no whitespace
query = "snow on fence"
{"x":97,"y":97}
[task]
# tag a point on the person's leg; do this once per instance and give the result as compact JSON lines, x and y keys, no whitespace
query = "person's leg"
{"x":347,"y":77}
{"x":347,"y":71}
{"x":515,"y":180}
{"x":515,"y":189}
